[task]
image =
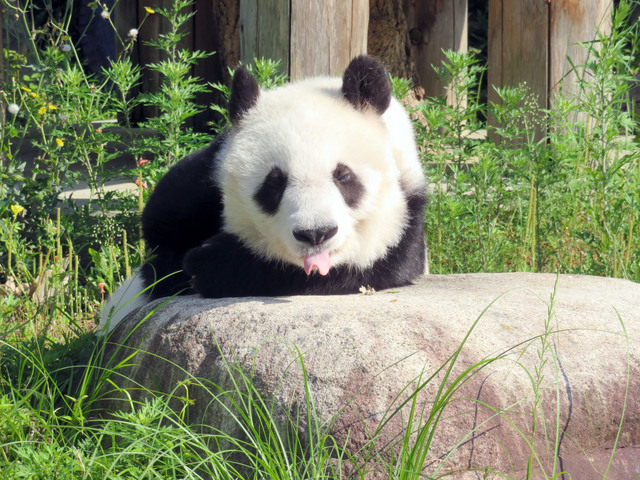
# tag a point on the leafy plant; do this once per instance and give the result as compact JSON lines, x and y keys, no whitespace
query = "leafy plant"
{"x":175,"y":99}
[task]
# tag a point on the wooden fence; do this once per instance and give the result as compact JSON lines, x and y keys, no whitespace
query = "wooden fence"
{"x":528,"y":40}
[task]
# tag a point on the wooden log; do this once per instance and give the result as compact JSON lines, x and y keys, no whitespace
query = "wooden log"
{"x":434,"y":26}
{"x":387,"y":37}
{"x":125,"y":17}
{"x":207,"y":69}
{"x":518,"y":51}
{"x":359,"y":28}
{"x":339,"y":20}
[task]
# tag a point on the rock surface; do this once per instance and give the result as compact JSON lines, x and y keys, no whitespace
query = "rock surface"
{"x":360,"y":353}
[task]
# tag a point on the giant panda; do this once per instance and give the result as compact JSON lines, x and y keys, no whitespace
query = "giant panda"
{"x":315,"y":188}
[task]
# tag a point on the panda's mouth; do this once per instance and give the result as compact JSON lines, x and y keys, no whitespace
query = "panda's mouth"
{"x":319,"y":260}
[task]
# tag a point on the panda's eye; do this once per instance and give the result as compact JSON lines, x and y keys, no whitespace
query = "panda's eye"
{"x":342,"y":174}
{"x":275,"y":179}
{"x":349,"y":184}
{"x":270,"y":193}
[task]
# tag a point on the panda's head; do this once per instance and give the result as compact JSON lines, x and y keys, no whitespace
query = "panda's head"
{"x":309,"y":172}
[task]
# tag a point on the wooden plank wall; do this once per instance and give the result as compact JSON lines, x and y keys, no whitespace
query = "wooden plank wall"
{"x":528,"y":39}
{"x":309,"y":37}
{"x":132,"y":14}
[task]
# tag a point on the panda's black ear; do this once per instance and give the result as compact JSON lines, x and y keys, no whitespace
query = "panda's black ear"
{"x":244,"y":94}
{"x":365,"y":84}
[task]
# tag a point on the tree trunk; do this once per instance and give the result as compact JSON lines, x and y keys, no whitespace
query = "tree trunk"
{"x":388,"y":37}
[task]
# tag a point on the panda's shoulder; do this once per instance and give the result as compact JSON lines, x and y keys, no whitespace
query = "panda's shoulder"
{"x":192,"y":175}
{"x":187,"y":193}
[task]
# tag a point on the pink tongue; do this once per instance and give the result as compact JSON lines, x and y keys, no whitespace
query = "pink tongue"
{"x":319,"y":260}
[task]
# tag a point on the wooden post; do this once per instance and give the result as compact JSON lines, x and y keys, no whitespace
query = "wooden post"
{"x":435,"y":25}
{"x":309,"y":37}
{"x":128,"y":15}
{"x":264,"y":31}
{"x":326,"y":35}
{"x":519,"y":46}
{"x":530,"y":40}
{"x":573,"y":22}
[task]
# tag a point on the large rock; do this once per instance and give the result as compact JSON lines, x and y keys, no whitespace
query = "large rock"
{"x":563,"y":354}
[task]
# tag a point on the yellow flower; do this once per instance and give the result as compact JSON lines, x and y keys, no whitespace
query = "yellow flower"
{"x":34,"y":94}
{"x":26,"y":89}
{"x":59,"y":142}
{"x":51,"y":106}
{"x":17,"y":209}
{"x":42,"y":110}
{"x":149,"y":10}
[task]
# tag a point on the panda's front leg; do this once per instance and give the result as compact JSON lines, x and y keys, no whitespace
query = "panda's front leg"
{"x":224,"y":267}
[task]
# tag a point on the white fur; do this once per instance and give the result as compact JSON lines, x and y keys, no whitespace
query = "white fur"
{"x":127,"y":298}
{"x":306,"y":129}
{"x":404,"y":148}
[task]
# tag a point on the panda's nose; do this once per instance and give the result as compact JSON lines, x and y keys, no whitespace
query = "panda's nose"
{"x":316,"y":236}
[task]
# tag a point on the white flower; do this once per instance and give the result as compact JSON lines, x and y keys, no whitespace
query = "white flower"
{"x":133,"y":33}
{"x":13,"y":108}
{"x":65,"y":47}
{"x":104,"y":14}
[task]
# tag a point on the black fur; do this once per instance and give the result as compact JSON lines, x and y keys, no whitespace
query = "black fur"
{"x":269,"y":195}
{"x":366,"y":84}
{"x":184,"y":209}
{"x":244,"y":94}
{"x":349,"y":185}
{"x":182,"y":221}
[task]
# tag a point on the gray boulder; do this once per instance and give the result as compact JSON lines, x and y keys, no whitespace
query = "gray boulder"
{"x":552,"y":368}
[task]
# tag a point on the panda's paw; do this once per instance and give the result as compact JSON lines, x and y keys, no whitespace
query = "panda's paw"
{"x":213,"y":267}
{"x":201,"y":265}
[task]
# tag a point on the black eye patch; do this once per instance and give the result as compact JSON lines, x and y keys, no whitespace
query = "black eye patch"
{"x":270,"y":193}
{"x":349,"y":185}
